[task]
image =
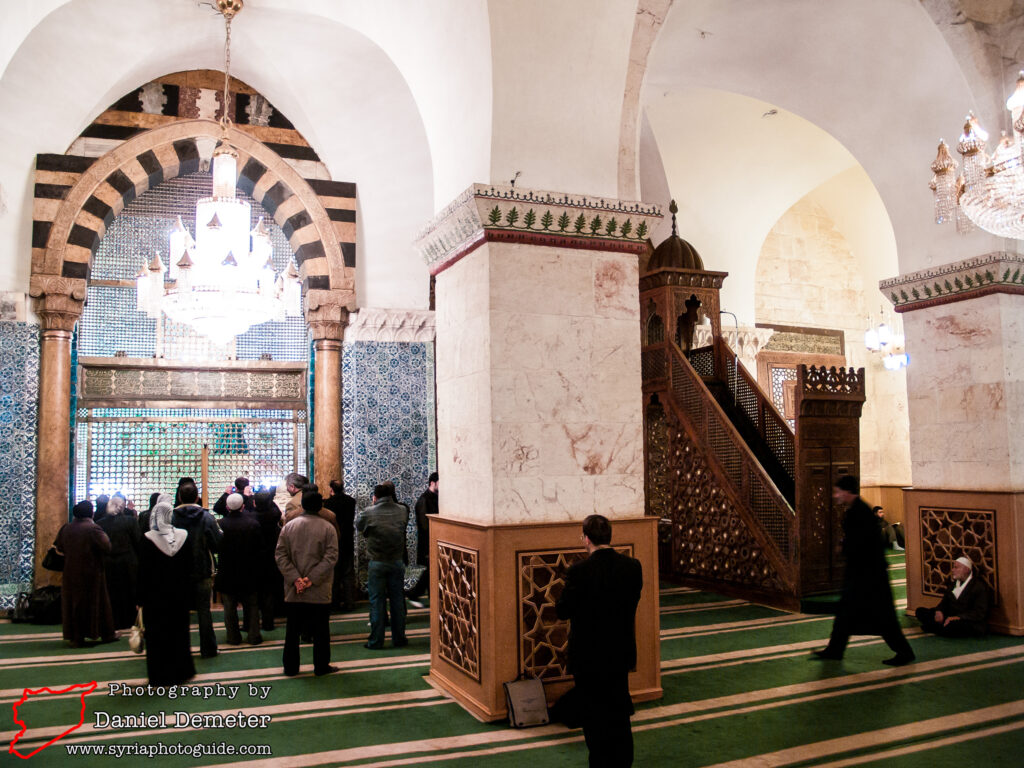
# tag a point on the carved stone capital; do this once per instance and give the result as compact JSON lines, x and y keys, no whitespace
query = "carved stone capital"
{"x":372,"y":324}
{"x":494,"y":213}
{"x":58,"y":301}
{"x":327,"y":314}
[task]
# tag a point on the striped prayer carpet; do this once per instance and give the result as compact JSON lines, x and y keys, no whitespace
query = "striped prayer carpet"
{"x":740,"y":690}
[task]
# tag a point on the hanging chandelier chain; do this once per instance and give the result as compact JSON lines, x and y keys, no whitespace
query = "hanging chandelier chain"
{"x":225,"y":121}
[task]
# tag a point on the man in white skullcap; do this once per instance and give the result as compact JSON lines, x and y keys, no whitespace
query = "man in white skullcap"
{"x":963,"y":610}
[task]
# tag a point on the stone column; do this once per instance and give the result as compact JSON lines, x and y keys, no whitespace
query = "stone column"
{"x":965,"y":387}
{"x":58,"y":303}
{"x":539,"y":425}
{"x":327,"y":319}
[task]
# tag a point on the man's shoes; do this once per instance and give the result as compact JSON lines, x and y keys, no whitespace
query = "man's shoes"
{"x":291,"y":674}
{"x":900,"y":660}
{"x":255,"y":641}
{"x":827,"y":655}
{"x":373,"y":647}
{"x":399,"y":643}
{"x":416,"y":603}
{"x":234,"y":642}
{"x":325,"y":671}
{"x":208,"y":655}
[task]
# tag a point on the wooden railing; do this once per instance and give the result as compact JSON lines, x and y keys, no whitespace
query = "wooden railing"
{"x":770,"y":515}
{"x":760,"y":411}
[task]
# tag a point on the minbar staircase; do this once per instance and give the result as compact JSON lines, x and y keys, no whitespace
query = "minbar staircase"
{"x":745,"y":503}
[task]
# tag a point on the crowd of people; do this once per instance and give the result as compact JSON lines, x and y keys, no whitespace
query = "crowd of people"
{"x":171,"y":560}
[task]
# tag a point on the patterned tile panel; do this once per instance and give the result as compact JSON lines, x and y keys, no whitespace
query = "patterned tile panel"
{"x":19,"y":392}
{"x":388,"y":424}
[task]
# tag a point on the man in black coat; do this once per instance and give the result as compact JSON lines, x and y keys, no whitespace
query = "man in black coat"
{"x":426,"y":506}
{"x":344,"y":508}
{"x":865,"y":604}
{"x":963,"y":610}
{"x":238,"y":565}
{"x":600,"y":599}
{"x":204,"y":539}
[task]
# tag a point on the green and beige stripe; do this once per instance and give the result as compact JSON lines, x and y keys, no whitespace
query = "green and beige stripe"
{"x":740,"y":690}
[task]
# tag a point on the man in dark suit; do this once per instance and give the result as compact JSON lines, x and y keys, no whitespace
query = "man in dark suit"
{"x":599,"y":599}
{"x":865,"y":603}
{"x":963,"y":610}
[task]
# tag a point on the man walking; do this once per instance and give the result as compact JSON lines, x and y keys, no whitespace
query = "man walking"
{"x":383,"y":527}
{"x":599,"y":599}
{"x":307,"y":551}
{"x":865,"y":604}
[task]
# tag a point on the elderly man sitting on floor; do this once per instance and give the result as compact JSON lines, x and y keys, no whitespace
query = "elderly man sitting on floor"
{"x":963,"y":610}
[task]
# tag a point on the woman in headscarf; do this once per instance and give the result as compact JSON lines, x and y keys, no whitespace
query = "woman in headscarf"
{"x":123,"y":561}
{"x":85,"y":605}
{"x":164,"y":568}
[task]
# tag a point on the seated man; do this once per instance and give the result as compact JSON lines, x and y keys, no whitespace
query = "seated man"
{"x":963,"y":610}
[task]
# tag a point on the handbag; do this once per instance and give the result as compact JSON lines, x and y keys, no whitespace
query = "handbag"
{"x":54,"y":560}
{"x":137,"y":635}
{"x":527,"y":704}
{"x":44,"y":605}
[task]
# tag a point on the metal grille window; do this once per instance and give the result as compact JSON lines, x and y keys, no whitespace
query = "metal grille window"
{"x":141,"y":451}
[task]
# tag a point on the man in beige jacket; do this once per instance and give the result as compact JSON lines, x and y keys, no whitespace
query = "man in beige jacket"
{"x":307,"y":551}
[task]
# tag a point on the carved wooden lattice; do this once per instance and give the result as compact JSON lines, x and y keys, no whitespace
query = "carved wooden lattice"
{"x":946,"y":534}
{"x":458,"y":587}
{"x":710,"y":540}
{"x":543,"y":637}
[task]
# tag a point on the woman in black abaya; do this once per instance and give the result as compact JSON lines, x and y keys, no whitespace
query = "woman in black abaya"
{"x":164,"y":567}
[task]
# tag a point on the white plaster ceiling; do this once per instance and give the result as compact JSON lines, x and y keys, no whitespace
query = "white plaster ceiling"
{"x":869,"y":84}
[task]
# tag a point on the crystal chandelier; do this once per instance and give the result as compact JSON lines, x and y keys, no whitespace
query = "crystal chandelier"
{"x":222,"y":282}
{"x":990,"y":191}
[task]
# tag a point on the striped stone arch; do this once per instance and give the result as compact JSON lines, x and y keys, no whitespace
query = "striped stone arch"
{"x":109,"y":183}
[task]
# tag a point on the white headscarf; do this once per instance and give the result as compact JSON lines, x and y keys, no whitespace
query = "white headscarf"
{"x":167,"y":538}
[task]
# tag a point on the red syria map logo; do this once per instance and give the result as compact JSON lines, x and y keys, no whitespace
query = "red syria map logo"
{"x":86,"y":688}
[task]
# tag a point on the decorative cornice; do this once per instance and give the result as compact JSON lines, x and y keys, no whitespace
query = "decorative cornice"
{"x":997,"y":272}
{"x":373,"y":324}
{"x":686,"y":278}
{"x":58,"y":301}
{"x":487,"y":212}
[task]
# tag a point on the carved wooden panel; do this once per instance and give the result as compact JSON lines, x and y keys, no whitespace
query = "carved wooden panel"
{"x":458,"y":587}
{"x":710,"y":538}
{"x":543,"y":637}
{"x":946,"y":534}
{"x":107,"y":383}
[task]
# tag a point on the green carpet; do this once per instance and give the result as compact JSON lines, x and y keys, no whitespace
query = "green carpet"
{"x":740,"y":689}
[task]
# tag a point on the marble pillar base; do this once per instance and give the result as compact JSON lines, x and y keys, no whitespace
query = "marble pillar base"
{"x":988,"y":527}
{"x":493,"y":591}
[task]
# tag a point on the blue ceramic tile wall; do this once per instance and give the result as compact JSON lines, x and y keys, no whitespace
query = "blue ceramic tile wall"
{"x":388,"y":421}
{"x":19,"y":391}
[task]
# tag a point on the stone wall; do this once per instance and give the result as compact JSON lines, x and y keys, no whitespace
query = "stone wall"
{"x":808,"y":276}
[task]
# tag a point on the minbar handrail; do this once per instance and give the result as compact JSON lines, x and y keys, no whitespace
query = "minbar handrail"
{"x":766,"y":416}
{"x":779,"y":516}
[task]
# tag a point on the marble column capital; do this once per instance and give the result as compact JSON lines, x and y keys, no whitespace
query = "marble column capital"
{"x":327,"y":314}
{"x":996,"y":272}
{"x":496,"y":213}
{"x":58,"y":301}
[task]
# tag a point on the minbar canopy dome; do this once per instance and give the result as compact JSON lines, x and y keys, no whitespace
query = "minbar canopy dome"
{"x":674,"y":252}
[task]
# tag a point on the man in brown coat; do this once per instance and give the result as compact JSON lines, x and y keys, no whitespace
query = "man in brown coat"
{"x":307,"y":551}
